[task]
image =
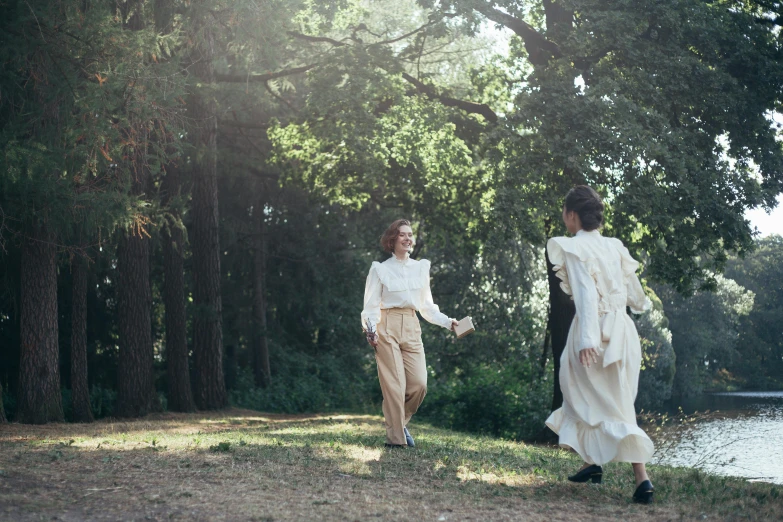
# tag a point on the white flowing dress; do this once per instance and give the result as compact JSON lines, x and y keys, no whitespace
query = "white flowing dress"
{"x":598,"y":418}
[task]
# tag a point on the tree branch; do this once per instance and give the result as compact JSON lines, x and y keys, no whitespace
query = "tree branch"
{"x":467,"y":106}
{"x":246,"y":78}
{"x":321,"y":39}
{"x":242,"y":125}
{"x":539,"y":49}
{"x":406,"y":35}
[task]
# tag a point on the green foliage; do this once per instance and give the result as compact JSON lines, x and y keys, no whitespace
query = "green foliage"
{"x":759,"y":364}
{"x":510,"y":401}
{"x":705,"y":330}
{"x":658,"y":360}
{"x":663,"y":107}
{"x":221,"y":447}
{"x":650,"y":103}
{"x":304,"y":384}
{"x":85,"y":108}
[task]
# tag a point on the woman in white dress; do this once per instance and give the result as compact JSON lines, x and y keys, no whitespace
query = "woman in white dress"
{"x":599,"y":372}
{"x":395,"y":290}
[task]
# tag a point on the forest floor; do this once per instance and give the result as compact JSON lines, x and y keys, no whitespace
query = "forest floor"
{"x":245,"y":465}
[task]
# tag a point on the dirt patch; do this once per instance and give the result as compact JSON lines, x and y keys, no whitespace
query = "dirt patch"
{"x":244,"y":465}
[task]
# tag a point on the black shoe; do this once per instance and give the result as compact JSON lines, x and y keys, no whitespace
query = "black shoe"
{"x":644,"y":493}
{"x":408,"y":437}
{"x":395,"y":445}
{"x":593,"y":473}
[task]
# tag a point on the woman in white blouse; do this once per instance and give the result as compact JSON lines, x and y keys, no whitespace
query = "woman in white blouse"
{"x":395,"y":289}
{"x":599,"y":372}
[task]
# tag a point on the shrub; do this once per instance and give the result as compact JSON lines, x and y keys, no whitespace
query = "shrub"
{"x":510,"y":401}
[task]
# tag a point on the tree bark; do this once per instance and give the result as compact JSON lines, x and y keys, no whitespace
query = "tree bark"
{"x":136,"y":394}
{"x":80,"y":392}
{"x":39,"y":398}
{"x":3,"y":420}
{"x":261,"y":367}
{"x":180,"y":396}
{"x":208,"y":332}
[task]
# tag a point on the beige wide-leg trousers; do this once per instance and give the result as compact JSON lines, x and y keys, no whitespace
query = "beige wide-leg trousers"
{"x":402,"y":369}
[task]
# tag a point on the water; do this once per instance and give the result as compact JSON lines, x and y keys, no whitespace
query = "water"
{"x":742,"y":436}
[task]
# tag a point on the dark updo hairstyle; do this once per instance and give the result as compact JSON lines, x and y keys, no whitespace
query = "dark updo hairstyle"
{"x":588,"y":206}
{"x":390,"y":236}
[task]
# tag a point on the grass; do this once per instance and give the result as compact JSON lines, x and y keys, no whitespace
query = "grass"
{"x":243,"y":465}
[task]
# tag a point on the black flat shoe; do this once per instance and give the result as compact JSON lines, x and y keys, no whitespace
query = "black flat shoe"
{"x":395,"y":445}
{"x":644,"y":493}
{"x":592,"y":473}
{"x":408,"y":437}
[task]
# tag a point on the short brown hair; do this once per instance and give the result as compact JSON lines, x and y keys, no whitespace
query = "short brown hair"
{"x":390,"y":236}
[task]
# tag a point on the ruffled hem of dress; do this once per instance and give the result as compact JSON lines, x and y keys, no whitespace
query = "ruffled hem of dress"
{"x":586,"y":440}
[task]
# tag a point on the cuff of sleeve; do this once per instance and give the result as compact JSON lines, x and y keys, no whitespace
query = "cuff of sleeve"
{"x":588,"y":343}
{"x":645,"y":307}
{"x":447,"y":323}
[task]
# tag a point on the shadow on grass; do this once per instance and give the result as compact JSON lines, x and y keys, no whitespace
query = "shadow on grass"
{"x":209,"y":455}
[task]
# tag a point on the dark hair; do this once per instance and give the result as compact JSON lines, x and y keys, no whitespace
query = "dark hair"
{"x":588,"y":206}
{"x":390,"y":236}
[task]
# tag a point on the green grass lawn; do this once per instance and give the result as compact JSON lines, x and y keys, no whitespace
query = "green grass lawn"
{"x":245,"y":465}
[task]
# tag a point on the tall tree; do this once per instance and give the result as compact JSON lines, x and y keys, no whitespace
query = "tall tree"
{"x":3,"y":419}
{"x":136,"y":395}
{"x":38,"y":399}
{"x":180,"y":395}
{"x":261,"y":367}
{"x":646,"y":102}
{"x":208,"y":321}
{"x":80,"y":393}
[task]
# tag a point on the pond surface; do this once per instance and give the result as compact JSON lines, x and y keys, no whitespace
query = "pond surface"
{"x":741,"y":436}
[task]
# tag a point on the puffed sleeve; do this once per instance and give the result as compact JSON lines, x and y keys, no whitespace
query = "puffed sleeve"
{"x":556,"y":250}
{"x":586,"y":301}
{"x":371,"y":313}
{"x":428,"y":309}
{"x":637,"y":299}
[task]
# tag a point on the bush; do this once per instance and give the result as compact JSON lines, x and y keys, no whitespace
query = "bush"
{"x":304,"y":383}
{"x":102,"y":401}
{"x":658,"y":361}
{"x":510,"y":401}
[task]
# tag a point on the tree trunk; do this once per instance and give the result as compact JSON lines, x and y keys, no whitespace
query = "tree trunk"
{"x":205,"y":244}
{"x":136,"y":394}
{"x":261,"y":368}
{"x":39,"y":398}
{"x":79,"y":388}
{"x":561,"y":313}
{"x":177,"y":368}
{"x":3,"y":420}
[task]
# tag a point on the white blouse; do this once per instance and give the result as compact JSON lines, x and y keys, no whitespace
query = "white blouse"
{"x":400,"y":284}
{"x":600,"y":275}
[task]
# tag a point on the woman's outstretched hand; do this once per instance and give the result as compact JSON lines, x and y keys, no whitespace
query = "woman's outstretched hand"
{"x":454,"y":324}
{"x":587,"y":356}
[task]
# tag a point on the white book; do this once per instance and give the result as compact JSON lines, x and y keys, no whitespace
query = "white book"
{"x":464,"y":327}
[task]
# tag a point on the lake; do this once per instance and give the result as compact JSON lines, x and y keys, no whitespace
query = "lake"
{"x":741,"y":436}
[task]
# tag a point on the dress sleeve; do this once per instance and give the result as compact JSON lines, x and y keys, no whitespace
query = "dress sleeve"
{"x":428,"y":309}
{"x":586,"y":301}
{"x":371,"y":313}
{"x":637,"y":299}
